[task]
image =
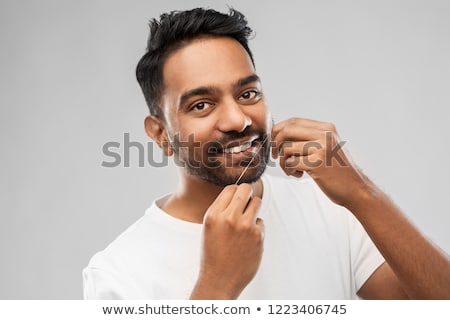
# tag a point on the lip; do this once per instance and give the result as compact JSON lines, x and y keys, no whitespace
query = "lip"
{"x":237,"y":159}
{"x":242,"y":157}
{"x":239,"y":143}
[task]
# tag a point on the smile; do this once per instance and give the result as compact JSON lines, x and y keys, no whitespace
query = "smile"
{"x":238,"y":148}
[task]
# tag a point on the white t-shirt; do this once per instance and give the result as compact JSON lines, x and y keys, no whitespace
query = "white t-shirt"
{"x":313,"y":249}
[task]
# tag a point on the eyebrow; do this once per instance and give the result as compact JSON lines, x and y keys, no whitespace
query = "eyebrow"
{"x":247,"y":80}
{"x":207,"y":90}
{"x":196,"y":92}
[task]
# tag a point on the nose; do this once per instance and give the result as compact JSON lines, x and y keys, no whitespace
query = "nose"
{"x":232,"y":118}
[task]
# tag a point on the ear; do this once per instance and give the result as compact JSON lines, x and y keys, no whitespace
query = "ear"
{"x":156,"y":130}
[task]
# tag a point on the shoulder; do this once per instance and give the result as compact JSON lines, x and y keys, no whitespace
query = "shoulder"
{"x":143,"y":257}
{"x":109,"y":273}
{"x":154,"y":236}
{"x":122,"y":246}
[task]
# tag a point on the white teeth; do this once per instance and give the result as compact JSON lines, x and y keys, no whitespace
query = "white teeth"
{"x":239,"y":148}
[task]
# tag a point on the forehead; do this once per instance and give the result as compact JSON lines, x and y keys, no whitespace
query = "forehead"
{"x":214,"y":62}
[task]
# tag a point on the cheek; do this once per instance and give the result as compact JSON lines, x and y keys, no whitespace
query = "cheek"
{"x":269,"y":120}
{"x":262,"y":118}
{"x":196,"y":131}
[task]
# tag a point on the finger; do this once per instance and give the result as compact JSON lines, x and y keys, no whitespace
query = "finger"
{"x":293,"y":133}
{"x":297,"y":158}
{"x":291,"y":165}
{"x":240,"y":199}
{"x":289,"y":125}
{"x":298,"y":148}
{"x":223,"y":199}
{"x":297,"y":173}
{"x":262,"y":227}
{"x":306,"y":123}
{"x":295,"y":165}
{"x":251,"y":212}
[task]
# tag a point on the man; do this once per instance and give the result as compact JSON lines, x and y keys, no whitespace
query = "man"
{"x":228,"y":231}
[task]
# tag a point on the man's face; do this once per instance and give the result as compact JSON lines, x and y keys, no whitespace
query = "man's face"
{"x":215,"y":112}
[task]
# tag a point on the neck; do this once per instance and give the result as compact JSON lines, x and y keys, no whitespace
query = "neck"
{"x":193,"y":197}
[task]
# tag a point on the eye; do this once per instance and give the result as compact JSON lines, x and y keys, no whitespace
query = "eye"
{"x":200,"y":106}
{"x":250,"y":95}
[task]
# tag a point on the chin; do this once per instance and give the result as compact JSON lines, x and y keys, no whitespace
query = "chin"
{"x":223,"y":180}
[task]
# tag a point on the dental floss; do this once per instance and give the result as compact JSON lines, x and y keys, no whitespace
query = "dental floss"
{"x":251,"y":160}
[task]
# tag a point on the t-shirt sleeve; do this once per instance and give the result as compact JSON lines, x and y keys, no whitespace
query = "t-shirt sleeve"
{"x":364,"y":255}
{"x":99,"y":284}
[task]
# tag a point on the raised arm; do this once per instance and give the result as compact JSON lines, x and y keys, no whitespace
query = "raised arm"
{"x":415,"y":268}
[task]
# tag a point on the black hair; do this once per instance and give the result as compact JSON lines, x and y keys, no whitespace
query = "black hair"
{"x":175,"y":30}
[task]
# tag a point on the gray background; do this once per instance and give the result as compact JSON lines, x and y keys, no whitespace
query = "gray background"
{"x":380,"y":70}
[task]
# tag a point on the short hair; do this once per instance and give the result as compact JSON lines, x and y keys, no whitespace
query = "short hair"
{"x":175,"y":30}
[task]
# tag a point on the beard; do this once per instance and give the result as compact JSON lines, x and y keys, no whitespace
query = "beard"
{"x":202,"y":161}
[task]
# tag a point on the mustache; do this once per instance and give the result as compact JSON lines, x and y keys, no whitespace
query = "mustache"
{"x":221,"y":142}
